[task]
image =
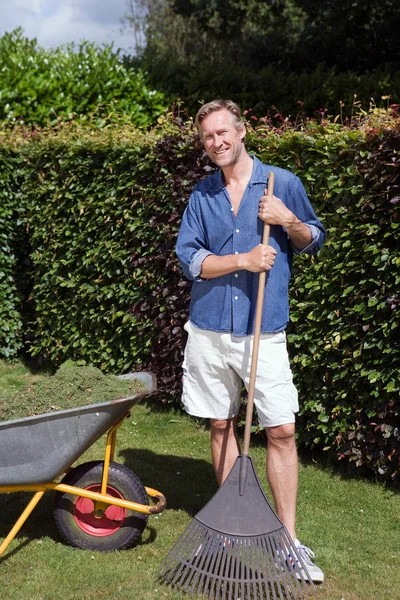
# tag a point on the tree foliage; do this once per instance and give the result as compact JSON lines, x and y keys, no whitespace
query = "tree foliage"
{"x":303,"y":33}
{"x":275,"y":53}
{"x":351,"y":35}
{"x":39,"y":86}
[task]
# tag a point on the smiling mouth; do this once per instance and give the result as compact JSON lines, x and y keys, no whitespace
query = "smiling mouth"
{"x":221,"y":151}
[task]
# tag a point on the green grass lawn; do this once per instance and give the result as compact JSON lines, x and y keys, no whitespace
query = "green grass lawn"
{"x":352,"y":525}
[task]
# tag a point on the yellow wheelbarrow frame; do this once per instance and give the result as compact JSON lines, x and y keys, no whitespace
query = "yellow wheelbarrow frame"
{"x":88,"y":424}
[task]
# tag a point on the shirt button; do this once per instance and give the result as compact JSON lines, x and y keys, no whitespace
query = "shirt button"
{"x":231,"y":209}
{"x":236,"y":297}
{"x":236,"y":275}
{"x":236,"y":252}
{"x":237,"y":230}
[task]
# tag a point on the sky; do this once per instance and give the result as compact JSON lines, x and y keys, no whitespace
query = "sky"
{"x":57,"y":22}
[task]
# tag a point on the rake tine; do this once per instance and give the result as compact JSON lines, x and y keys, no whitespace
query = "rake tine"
{"x":240,"y":574}
{"x":184,"y":551}
{"x":227,"y":573}
{"x":205,"y":567}
{"x":201,"y":561}
{"x":257,"y":572}
{"x":209,"y":570}
{"x":301,"y":584}
{"x":205,"y":556}
{"x":217,"y":569}
{"x":265,"y":571}
{"x":229,"y":581}
{"x":228,"y":570}
{"x":273,"y":568}
{"x":237,"y":568}
{"x":243,"y":574}
{"x":249,"y":556}
{"x":214,"y":567}
{"x":269,"y":550}
{"x":180,"y":549}
{"x":178,"y":574}
{"x":220,"y":589}
{"x":198,"y":579}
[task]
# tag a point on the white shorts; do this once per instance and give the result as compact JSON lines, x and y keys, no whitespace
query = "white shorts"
{"x":217,"y":364}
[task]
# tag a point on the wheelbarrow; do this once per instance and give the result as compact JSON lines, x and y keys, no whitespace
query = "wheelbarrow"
{"x":99,"y":505}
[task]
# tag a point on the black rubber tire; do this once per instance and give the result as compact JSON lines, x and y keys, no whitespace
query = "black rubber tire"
{"x":76,"y":530}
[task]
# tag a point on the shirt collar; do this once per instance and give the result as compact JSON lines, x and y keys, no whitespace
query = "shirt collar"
{"x":259,"y":175}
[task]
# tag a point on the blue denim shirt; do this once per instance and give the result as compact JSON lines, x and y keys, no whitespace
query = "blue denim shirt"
{"x":227,"y":303}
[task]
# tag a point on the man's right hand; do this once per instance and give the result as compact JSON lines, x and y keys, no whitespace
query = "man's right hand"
{"x":261,"y":258}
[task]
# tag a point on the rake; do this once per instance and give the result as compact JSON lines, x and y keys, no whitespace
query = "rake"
{"x":236,"y":547}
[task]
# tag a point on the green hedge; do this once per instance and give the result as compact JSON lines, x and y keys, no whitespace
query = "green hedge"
{"x":11,"y":244}
{"x":104,"y":217}
{"x":104,"y":210}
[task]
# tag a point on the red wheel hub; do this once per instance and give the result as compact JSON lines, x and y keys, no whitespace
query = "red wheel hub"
{"x":109,"y":523}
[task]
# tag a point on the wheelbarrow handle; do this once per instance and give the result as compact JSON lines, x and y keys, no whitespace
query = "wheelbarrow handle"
{"x":161,"y":501}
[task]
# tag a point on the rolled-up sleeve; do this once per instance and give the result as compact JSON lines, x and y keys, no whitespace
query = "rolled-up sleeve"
{"x":197,"y":261}
{"x":191,"y":247}
{"x":301,"y":206}
{"x":314,"y":244}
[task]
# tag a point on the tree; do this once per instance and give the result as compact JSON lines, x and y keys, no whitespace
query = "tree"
{"x":275,"y":52}
{"x":351,"y":34}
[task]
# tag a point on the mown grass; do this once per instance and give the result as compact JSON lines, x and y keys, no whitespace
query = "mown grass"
{"x":353,"y":525}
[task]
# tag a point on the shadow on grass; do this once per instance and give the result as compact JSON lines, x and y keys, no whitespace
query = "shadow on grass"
{"x":187,"y":483}
{"x":39,"y":524}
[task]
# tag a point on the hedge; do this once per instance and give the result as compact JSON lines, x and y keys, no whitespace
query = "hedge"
{"x":344,"y":333}
{"x":11,"y":239}
{"x":104,"y":209}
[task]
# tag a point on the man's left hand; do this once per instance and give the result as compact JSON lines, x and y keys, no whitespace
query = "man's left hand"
{"x":273,"y":211}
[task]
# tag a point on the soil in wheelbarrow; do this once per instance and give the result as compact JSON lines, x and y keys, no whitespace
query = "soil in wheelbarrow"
{"x":71,"y":386}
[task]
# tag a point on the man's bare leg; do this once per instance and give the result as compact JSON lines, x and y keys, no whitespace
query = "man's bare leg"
{"x":283,"y":473}
{"x":224,"y":447}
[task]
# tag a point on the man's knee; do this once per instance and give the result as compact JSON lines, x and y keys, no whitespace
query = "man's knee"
{"x":281,"y":435}
{"x":223,"y":426}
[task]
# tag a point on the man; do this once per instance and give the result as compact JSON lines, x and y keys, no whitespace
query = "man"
{"x":219,"y":247}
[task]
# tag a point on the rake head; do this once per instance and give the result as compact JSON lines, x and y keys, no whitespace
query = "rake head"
{"x":231,"y":568}
{"x":236,"y":548}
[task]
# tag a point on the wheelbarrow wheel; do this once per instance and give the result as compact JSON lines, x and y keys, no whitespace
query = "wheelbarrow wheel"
{"x":118,"y":528}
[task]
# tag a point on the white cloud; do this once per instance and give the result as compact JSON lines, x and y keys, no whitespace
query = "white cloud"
{"x":56,"y":22}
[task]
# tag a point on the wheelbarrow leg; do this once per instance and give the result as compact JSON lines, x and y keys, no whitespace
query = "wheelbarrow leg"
{"x":21,"y":520}
{"x":100,"y":507}
{"x":109,"y":454}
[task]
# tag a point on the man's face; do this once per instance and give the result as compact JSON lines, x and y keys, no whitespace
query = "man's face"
{"x":221,"y":139}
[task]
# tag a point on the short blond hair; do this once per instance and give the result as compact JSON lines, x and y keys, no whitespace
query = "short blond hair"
{"x":217,"y":105}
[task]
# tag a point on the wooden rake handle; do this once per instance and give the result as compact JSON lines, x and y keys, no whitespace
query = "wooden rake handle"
{"x":257,"y":332}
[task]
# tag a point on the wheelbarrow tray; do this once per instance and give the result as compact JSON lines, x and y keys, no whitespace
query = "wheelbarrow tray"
{"x":38,"y":449}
